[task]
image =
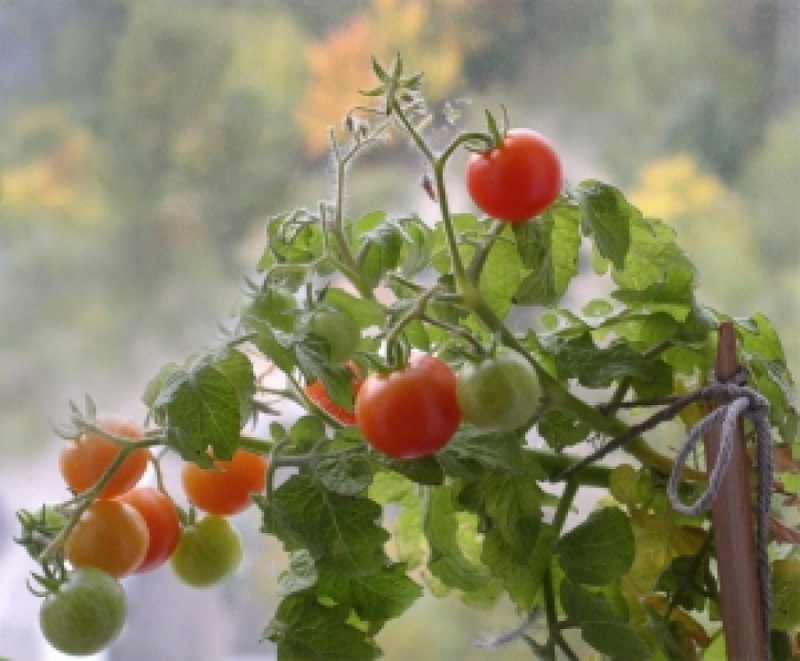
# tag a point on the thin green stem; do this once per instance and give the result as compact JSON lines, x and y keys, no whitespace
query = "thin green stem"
{"x":482,"y":253}
{"x":415,"y":312}
{"x":464,"y":334}
{"x":565,"y":504}
{"x":594,"y":475}
{"x":256,"y":445}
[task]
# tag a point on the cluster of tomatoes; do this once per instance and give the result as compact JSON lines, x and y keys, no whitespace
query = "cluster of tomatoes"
{"x":414,"y":411}
{"x":130,"y":528}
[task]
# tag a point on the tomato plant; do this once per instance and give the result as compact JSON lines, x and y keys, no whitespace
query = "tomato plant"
{"x":111,"y":535}
{"x":227,"y":487}
{"x":163,"y":524}
{"x":465,"y":464}
{"x":500,"y":392}
{"x":412,"y":412}
{"x":208,"y":552}
{"x":517,"y":178}
{"x":84,"y":459}
{"x":84,"y":614}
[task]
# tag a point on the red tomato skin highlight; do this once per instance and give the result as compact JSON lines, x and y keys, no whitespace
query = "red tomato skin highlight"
{"x":162,"y":521}
{"x":516,"y":180}
{"x":410,"y":413}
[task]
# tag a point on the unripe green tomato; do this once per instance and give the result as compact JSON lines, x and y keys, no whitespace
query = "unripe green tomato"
{"x":208,"y":552}
{"x":85,"y":614}
{"x":339,"y":330}
{"x":500,"y":393}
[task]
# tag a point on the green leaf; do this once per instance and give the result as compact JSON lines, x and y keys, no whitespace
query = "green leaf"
{"x":501,"y":276}
{"x":689,"y":581}
{"x":274,"y":306}
{"x":599,"y":550}
{"x":606,"y":215}
{"x":520,"y":570}
{"x":389,"y":243}
{"x":365,"y":312}
{"x":447,"y":561}
{"x":301,"y":574}
{"x":206,"y":403}
{"x":785,"y":594}
{"x":306,"y":431}
{"x":597,"y":367}
{"x":347,"y":475}
{"x":765,"y":362}
{"x":376,"y":596}
{"x":655,"y":265}
{"x":560,"y":428}
{"x":493,"y":450}
{"x":274,"y":344}
{"x":305,"y":630}
{"x":340,"y":532}
{"x":156,"y":384}
{"x":426,"y":471}
{"x":600,"y":626}
{"x":513,"y":501}
{"x":549,"y":248}
{"x":517,"y":546}
{"x":311,"y":356}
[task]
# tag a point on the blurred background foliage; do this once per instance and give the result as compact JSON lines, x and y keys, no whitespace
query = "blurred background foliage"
{"x":142,"y":145}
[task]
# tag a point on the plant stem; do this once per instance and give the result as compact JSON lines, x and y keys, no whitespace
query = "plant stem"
{"x":482,"y":253}
{"x":564,"y":505}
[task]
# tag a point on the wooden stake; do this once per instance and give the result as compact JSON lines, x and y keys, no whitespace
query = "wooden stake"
{"x":734,"y":538}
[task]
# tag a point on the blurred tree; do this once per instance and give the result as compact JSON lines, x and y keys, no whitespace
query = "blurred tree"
{"x":448,"y":40}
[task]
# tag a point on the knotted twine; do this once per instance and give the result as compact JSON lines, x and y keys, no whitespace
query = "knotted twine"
{"x":736,"y":402}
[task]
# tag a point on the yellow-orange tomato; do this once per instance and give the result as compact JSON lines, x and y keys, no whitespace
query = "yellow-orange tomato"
{"x":226,"y":488}
{"x":84,"y":459}
{"x":111,"y":535}
{"x":162,"y":521}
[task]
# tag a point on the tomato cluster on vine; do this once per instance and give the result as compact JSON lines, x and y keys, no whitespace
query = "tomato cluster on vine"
{"x":116,"y":526}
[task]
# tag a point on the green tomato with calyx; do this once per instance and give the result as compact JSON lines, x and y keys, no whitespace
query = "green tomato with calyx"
{"x":500,"y":392}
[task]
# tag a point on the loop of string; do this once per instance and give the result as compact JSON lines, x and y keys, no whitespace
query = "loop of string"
{"x":740,"y":401}
{"x":736,"y":401}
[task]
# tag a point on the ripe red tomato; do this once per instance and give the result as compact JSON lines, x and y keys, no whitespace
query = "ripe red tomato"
{"x":226,"y":488}
{"x":517,"y":179}
{"x":84,"y":460}
{"x":111,"y":535}
{"x":162,"y":521}
{"x":410,"y":413}
{"x":318,"y":394}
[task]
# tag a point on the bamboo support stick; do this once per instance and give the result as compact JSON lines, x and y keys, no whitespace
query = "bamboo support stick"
{"x":734,"y":539}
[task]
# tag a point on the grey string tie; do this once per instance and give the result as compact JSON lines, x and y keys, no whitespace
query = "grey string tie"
{"x":738,"y":402}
